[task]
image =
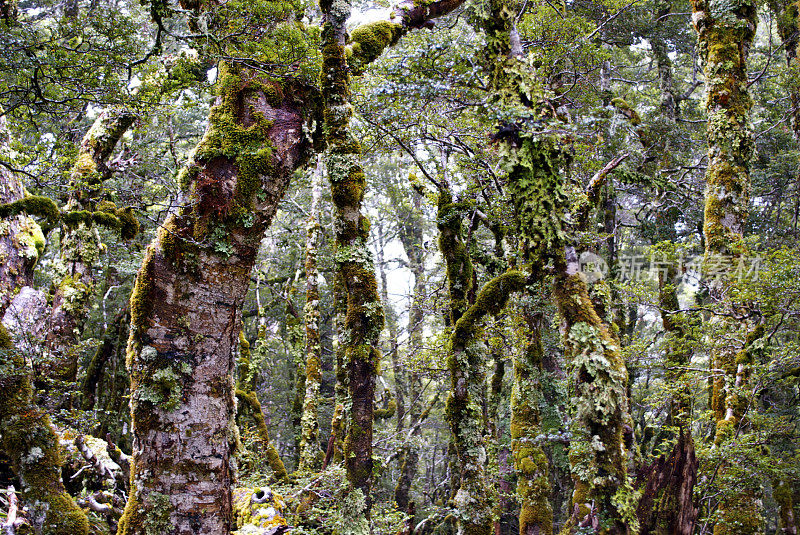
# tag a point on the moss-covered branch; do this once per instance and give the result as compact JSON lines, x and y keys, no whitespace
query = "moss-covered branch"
{"x":32,"y":205}
{"x":367,"y":42}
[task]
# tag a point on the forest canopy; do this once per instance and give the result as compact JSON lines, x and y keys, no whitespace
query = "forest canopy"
{"x":437,"y":267}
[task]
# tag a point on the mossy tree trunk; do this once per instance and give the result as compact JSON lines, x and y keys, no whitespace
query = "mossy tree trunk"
{"x":310,"y":453}
{"x":364,"y":314}
{"x":725,"y":33}
{"x":186,"y":305}
{"x":530,"y":461}
{"x":474,"y":500}
{"x":598,"y":377}
{"x":30,"y":442}
{"x":28,"y":438}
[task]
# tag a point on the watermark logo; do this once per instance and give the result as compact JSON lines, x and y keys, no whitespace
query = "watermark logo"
{"x":690,"y":269}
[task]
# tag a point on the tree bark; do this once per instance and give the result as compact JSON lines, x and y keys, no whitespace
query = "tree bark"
{"x":186,"y":305}
{"x":725,"y":35}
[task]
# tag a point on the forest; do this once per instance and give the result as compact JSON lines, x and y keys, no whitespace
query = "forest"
{"x":437,"y":267}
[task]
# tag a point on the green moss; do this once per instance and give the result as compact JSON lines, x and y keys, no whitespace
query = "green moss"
{"x":369,"y":42}
{"x":248,"y":147}
{"x":129,"y":224}
{"x":30,"y":239}
{"x":490,"y":300}
{"x":141,"y":301}
{"x":386,"y":413}
{"x":32,"y":205}
{"x":625,"y":109}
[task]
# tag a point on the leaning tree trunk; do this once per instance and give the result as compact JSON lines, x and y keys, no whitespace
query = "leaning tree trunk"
{"x":725,"y":33}
{"x":80,"y":242}
{"x":248,"y":402}
{"x":28,"y":438}
{"x":186,"y":305}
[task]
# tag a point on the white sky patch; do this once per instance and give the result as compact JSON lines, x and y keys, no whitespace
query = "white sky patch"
{"x":212,"y":75}
{"x":370,"y":15}
{"x":93,"y":111}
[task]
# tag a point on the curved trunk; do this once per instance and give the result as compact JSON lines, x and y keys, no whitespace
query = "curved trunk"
{"x":186,"y":306}
{"x":80,"y":242}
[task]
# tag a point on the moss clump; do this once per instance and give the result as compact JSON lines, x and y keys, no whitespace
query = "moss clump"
{"x":257,"y":508}
{"x":129,"y":224}
{"x":369,"y":41}
{"x":30,"y":239}
{"x":387,"y":412}
{"x":32,"y":205}
{"x":247,"y":146}
{"x":625,"y":109}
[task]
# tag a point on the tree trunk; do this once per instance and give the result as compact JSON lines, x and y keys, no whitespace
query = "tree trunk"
{"x":310,"y":453}
{"x":530,"y":462}
{"x":724,"y":36}
{"x":364,"y":316}
{"x":186,"y":306}
{"x":80,"y":242}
